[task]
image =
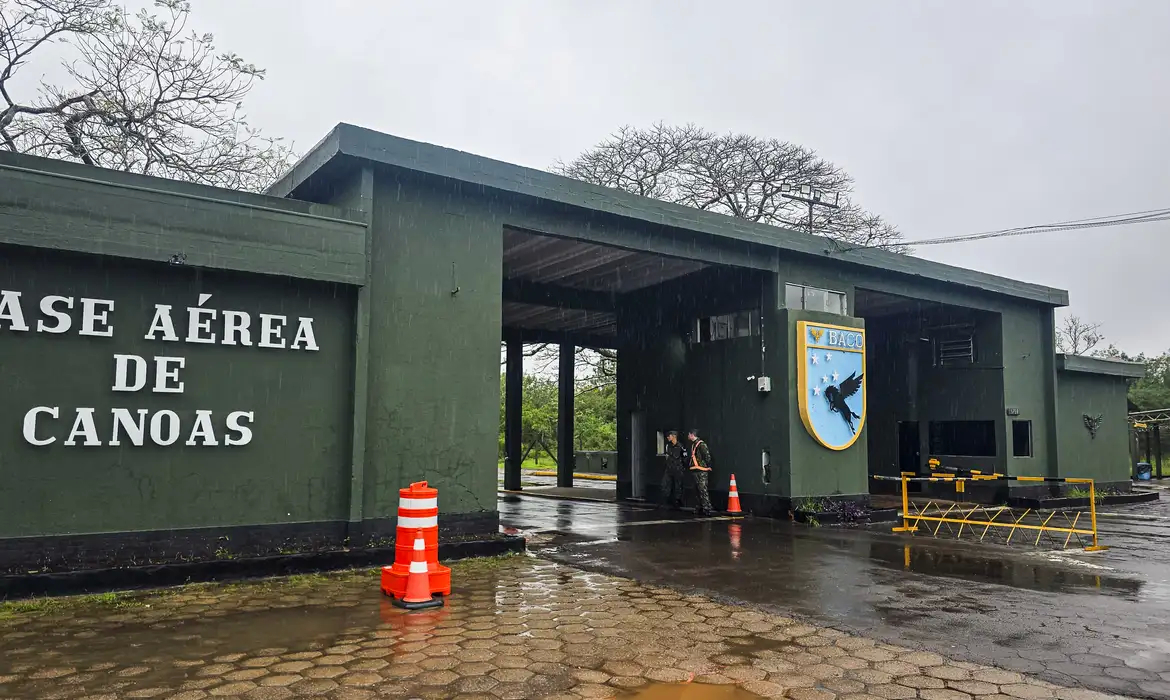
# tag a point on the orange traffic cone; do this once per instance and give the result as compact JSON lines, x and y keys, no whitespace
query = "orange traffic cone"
{"x":733,"y":499}
{"x":418,"y":582}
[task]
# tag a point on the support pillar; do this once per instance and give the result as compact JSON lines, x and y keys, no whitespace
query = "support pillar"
{"x":1158,"y":448}
{"x":566,"y":388}
{"x":513,"y":411}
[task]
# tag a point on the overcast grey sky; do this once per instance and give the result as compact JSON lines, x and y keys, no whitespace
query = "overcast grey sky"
{"x":954,"y":117}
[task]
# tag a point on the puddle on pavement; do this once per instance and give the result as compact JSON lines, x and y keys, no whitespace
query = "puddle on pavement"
{"x":689,"y":691}
{"x":1006,"y":568}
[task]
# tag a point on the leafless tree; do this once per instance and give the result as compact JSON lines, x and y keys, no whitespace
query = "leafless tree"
{"x":732,"y":174}
{"x":592,"y":369}
{"x":1075,"y":337}
{"x":144,"y":94}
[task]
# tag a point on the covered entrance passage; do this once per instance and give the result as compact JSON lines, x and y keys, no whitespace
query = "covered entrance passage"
{"x":939,"y":390}
{"x":574,"y":294}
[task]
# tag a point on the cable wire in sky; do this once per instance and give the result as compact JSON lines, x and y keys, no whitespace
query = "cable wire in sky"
{"x":1137,"y":217}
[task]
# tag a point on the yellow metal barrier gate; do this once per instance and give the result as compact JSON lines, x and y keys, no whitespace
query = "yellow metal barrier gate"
{"x":997,"y":523}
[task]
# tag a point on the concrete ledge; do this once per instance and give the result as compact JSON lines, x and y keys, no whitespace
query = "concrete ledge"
{"x":117,"y":550}
{"x":96,"y":580}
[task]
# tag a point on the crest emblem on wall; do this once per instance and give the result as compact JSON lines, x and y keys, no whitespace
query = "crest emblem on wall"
{"x":830,"y":381}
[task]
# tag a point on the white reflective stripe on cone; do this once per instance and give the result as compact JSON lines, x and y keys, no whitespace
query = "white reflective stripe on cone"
{"x":419,"y":543}
{"x":406,"y":521}
{"x":418,"y":567}
{"x":418,"y":503}
{"x":733,"y":483}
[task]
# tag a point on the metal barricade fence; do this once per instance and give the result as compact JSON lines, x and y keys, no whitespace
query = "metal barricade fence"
{"x":999,"y":523}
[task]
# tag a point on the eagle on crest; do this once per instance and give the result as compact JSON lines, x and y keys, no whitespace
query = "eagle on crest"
{"x":836,"y":396}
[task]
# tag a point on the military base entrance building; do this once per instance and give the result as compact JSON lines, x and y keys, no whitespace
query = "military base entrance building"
{"x":188,"y":372}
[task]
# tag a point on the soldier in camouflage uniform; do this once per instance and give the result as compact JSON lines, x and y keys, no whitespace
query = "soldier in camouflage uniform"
{"x":700,"y":469}
{"x":672,"y":477}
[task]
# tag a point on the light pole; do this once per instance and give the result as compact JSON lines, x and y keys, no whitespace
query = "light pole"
{"x":810,"y":196}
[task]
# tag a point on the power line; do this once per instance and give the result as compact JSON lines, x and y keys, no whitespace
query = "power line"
{"x":1127,"y":219}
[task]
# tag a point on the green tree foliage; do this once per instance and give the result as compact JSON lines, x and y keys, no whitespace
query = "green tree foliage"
{"x":595,"y":414}
{"x":1151,"y":392}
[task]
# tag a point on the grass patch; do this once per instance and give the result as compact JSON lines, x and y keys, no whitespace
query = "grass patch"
{"x":43,"y":606}
{"x":1081,"y":492}
{"x":532,"y":465}
{"x":810,"y":505}
{"x":481,"y":565}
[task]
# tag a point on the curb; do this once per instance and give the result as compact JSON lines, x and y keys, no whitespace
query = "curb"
{"x":557,"y":497}
{"x":1053,"y":503}
{"x":157,"y":576}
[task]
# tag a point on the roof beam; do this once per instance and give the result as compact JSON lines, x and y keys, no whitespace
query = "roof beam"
{"x":544,"y":294}
{"x":534,"y":336}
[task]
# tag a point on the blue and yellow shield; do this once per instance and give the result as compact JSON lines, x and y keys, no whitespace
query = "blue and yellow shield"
{"x":830,"y":381}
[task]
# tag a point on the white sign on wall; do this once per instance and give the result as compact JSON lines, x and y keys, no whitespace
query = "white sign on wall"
{"x":160,"y":374}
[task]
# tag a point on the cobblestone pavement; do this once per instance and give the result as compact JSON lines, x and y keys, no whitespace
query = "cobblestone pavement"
{"x":515,"y":628}
{"x":1097,"y":620}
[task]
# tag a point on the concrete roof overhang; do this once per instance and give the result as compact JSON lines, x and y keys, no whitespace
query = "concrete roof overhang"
{"x":347,"y":144}
{"x":1099,"y":365}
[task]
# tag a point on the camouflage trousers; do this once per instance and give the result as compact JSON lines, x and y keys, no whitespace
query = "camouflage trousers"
{"x":672,"y":487}
{"x":701,"y":478}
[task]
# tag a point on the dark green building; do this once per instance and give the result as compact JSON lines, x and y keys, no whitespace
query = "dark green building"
{"x":186,"y":370}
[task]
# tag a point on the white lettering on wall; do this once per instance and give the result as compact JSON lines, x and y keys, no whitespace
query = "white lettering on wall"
{"x":166,"y":375}
{"x":83,"y":426}
{"x":204,"y":432}
{"x":199,"y":322}
{"x":162,"y":323}
{"x":164,"y":435}
{"x":305,"y":335}
{"x":30,"y":425}
{"x":95,"y":317}
{"x":130,"y":427}
{"x":11,"y":312}
{"x":235,"y":328}
{"x":204,"y":325}
{"x":234,"y":423}
{"x":270,"y":328}
{"x":135,"y":429}
{"x":49,"y":310}
{"x":122,"y":369}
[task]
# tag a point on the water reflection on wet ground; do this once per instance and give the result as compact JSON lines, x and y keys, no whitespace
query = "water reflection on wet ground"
{"x":675,"y":691}
{"x":514,"y":628}
{"x":1097,"y":619}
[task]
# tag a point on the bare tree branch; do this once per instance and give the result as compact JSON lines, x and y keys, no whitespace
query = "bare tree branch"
{"x":733,"y":174}
{"x":1076,"y":337}
{"x":146,"y":94}
{"x":592,"y":369}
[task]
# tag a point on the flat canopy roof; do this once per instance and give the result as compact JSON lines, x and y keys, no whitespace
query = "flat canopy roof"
{"x":1099,"y":365}
{"x":357,"y":142}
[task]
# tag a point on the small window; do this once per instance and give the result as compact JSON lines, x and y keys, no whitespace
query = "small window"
{"x":955,"y":350}
{"x":660,"y":443}
{"x":962,"y":438}
{"x":741,"y":324}
{"x":793,"y":296}
{"x":835,"y":303}
{"x":744,"y":325}
{"x":814,"y":299}
{"x":1021,"y":438}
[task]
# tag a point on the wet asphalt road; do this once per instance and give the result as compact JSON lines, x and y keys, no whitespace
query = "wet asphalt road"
{"x":1098,"y":620}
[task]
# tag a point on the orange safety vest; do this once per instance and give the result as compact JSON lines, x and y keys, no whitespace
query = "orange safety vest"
{"x":695,"y":457}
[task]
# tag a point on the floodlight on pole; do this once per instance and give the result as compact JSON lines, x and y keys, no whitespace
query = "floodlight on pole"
{"x":810,"y":196}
